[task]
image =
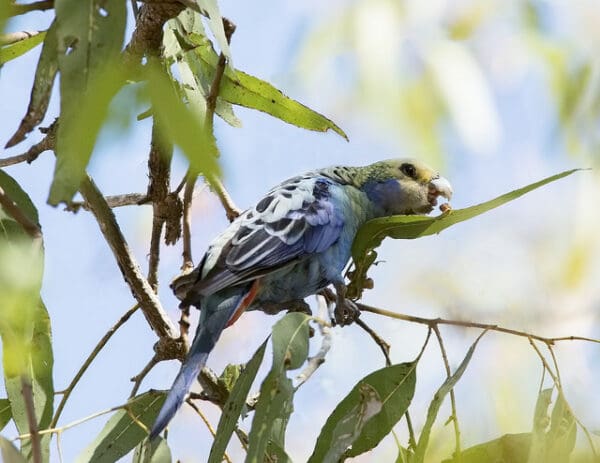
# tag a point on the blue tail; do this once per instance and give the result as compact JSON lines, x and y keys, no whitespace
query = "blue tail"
{"x":214,"y":316}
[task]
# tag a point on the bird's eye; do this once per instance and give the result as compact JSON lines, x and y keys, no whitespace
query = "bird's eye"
{"x":409,"y":169}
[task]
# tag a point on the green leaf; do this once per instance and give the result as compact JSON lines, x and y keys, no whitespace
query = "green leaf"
{"x":234,"y":405}
{"x":27,"y":355}
{"x":14,"y":191}
{"x":251,"y":92}
{"x":24,"y":325}
{"x":540,"y":424}
{"x":155,"y":451}
{"x":5,"y":413}
{"x":14,"y":50}
{"x":45,"y":74}
{"x":367,"y":414}
{"x":195,"y":85}
{"x":9,"y":453}
{"x":438,"y":399}
{"x":90,"y":36}
{"x":123,"y":431}
{"x":290,"y":341}
{"x":563,"y":432}
{"x":290,"y":349}
{"x":216,"y":26}
{"x":372,"y":233}
{"x":508,"y":448}
{"x":180,"y":125}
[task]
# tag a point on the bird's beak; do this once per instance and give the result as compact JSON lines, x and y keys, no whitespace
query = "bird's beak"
{"x":439,"y":186}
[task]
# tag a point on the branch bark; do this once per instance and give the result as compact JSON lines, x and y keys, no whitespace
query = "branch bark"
{"x":142,"y":291}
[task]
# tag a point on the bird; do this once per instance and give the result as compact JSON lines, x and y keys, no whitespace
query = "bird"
{"x":295,"y":242}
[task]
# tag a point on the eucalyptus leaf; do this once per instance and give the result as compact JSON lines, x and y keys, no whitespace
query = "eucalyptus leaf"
{"x":45,"y":74}
{"x":438,"y":399}
{"x":14,"y":50}
{"x":367,"y":414}
{"x":290,"y":350}
{"x":124,"y":430}
{"x":508,"y":448}
{"x":234,"y":405}
{"x":9,"y":453}
{"x":251,"y":92}
{"x":180,"y":125}
{"x":90,"y":36}
{"x":5,"y":413}
{"x":155,"y":451}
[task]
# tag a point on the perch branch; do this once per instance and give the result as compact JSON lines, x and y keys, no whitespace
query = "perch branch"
{"x":466,"y":324}
{"x":34,"y":434}
{"x":67,"y":392}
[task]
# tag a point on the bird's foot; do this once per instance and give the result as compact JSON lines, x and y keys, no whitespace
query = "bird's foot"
{"x":346,"y":312}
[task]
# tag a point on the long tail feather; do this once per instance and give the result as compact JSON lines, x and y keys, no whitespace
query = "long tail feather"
{"x":214,"y":317}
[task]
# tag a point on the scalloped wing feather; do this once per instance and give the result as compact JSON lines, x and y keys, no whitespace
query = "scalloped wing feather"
{"x":295,"y":219}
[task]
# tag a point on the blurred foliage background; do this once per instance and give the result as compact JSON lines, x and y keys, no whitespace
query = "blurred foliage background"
{"x":497,"y":94}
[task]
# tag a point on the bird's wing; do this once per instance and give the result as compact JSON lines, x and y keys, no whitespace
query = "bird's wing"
{"x":295,"y":219}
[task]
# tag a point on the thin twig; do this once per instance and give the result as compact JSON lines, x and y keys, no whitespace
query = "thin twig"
{"x":383,"y":345}
{"x":67,"y":392}
{"x":52,"y":430}
{"x":27,"y":392}
{"x":127,"y":199}
{"x":442,"y":321}
{"x":191,"y":176}
{"x":207,"y":423}
{"x":137,"y":379}
{"x":45,"y":144}
{"x":12,"y":209}
{"x":454,"y":417}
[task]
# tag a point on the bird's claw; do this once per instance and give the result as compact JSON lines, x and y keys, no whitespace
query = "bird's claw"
{"x":346,"y":312}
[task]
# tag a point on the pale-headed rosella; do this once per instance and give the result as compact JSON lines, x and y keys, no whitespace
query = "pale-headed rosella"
{"x":294,"y":243}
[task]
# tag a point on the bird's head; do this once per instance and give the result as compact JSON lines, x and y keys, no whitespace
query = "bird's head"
{"x":404,"y":186}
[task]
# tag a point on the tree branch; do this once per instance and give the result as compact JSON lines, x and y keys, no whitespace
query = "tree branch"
{"x":431,"y":322}
{"x":137,"y":379}
{"x":142,"y":291}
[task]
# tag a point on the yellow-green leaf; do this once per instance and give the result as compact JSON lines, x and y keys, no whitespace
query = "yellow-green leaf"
{"x":14,"y":50}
